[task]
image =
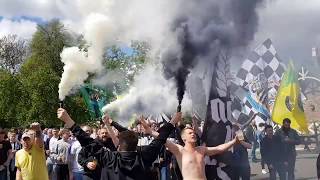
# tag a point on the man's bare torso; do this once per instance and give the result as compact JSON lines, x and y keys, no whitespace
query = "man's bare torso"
{"x":191,"y":163}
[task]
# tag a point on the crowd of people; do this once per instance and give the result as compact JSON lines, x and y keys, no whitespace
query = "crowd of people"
{"x":148,"y":150}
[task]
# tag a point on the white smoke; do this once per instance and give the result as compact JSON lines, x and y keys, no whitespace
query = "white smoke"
{"x":78,"y":63}
{"x":150,"y":94}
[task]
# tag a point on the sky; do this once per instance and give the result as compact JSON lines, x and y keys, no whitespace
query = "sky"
{"x":292,"y":25}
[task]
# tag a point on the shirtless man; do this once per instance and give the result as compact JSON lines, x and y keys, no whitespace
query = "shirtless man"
{"x":191,"y":157}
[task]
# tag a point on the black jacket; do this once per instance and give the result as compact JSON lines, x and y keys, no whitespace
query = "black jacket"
{"x":87,"y":153}
{"x":272,"y":150}
{"x":125,"y":165}
{"x":289,"y":148}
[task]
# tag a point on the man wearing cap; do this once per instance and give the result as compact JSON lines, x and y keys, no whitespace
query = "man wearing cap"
{"x":5,"y":152}
{"x":30,"y":160}
{"x":289,"y":138}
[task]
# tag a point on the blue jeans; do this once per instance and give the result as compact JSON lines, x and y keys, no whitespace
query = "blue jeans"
{"x":77,"y":175}
{"x":164,"y":173}
{"x":3,"y":174}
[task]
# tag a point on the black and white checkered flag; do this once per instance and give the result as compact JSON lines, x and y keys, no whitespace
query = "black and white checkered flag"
{"x":262,"y":70}
{"x":264,"y":59}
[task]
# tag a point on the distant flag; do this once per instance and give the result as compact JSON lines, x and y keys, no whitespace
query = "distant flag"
{"x":258,"y":75}
{"x":314,"y":52}
{"x":288,"y":103}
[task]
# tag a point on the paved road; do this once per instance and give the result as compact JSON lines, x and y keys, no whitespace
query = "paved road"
{"x":305,"y":168}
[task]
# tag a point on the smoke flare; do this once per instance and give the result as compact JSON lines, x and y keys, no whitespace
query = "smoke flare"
{"x":78,"y":63}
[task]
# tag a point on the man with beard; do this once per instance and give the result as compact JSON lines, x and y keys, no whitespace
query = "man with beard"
{"x":289,"y":138}
{"x":106,"y":139}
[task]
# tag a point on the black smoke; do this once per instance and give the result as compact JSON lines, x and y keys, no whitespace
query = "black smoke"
{"x":203,"y":29}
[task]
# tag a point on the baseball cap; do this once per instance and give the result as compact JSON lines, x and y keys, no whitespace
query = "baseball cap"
{"x":26,"y":135}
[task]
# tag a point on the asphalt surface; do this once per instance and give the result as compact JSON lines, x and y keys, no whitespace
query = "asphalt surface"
{"x":305,"y":166}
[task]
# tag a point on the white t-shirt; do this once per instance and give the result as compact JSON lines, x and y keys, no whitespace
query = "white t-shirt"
{"x":52,"y":147}
{"x":74,"y":151}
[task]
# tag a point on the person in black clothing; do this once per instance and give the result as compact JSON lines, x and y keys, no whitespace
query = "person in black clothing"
{"x":46,"y":143}
{"x":240,"y":162}
{"x":128,"y":163}
{"x":272,"y":152}
{"x":251,"y":134}
{"x":289,"y":138}
{"x":15,"y":145}
{"x":86,"y":154}
{"x":5,"y":155}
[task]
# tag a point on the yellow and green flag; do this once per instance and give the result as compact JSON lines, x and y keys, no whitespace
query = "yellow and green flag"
{"x":288,"y":102}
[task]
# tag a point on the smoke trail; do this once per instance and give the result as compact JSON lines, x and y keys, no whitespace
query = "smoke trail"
{"x":78,"y":63}
{"x":150,"y":94}
{"x":205,"y":28}
{"x":189,"y":32}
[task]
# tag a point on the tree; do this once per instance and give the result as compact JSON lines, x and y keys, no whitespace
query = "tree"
{"x":49,"y":41}
{"x":10,"y":93}
{"x":13,"y":52}
{"x":128,"y":61}
{"x":40,"y":77}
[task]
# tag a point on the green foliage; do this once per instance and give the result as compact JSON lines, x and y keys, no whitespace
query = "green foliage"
{"x":48,"y":43}
{"x":41,"y":88}
{"x":128,"y":61}
{"x":32,"y":94}
{"x":10,"y":93}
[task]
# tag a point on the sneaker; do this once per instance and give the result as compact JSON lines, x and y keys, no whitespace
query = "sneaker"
{"x":263,"y":171}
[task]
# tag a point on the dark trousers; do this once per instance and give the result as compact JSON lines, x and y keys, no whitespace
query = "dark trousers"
{"x":291,"y":166}
{"x":3,"y":174}
{"x":62,"y":171}
{"x":175,"y":171}
{"x":278,"y":167}
{"x":212,"y":172}
{"x":262,"y":163}
{"x":241,"y":172}
{"x":13,"y":173}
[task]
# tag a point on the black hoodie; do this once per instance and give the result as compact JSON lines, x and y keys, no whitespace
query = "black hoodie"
{"x":125,"y":165}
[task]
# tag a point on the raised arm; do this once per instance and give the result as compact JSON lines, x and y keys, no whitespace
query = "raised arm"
{"x":173,"y":147}
{"x":81,"y":136}
{"x":209,"y":151}
{"x":195,"y":125}
{"x":151,"y":151}
{"x":115,"y":124}
{"x":38,"y":140}
{"x":107,"y":121}
{"x":147,"y":128}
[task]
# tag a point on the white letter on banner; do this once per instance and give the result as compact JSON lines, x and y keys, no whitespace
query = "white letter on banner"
{"x":218,"y":110}
{"x":214,"y":110}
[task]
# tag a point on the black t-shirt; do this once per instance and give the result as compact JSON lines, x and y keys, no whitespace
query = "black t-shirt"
{"x":240,"y":154}
{"x":5,"y":146}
